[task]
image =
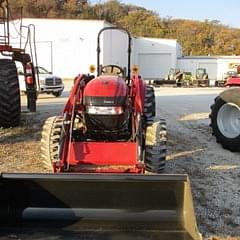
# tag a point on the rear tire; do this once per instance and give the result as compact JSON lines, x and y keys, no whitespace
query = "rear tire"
{"x":156,"y":147}
{"x":10,"y":108}
{"x":149,"y":105}
{"x":225,"y":123}
{"x":50,"y":141}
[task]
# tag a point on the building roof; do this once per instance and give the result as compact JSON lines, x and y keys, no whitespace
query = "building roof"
{"x":210,"y":57}
{"x":65,"y":19}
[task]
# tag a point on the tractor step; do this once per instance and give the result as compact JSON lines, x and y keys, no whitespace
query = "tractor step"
{"x":103,"y":157}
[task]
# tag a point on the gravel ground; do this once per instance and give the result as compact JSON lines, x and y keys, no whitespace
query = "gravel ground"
{"x":214,"y":172}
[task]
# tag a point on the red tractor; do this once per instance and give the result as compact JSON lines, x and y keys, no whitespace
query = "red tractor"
{"x":10,"y":109}
{"x":107,"y":125}
{"x":106,"y":133}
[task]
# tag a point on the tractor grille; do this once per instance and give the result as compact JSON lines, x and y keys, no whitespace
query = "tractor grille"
{"x":53,"y":81}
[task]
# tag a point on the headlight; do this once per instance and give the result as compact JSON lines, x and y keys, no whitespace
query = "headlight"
{"x":116,"y":110}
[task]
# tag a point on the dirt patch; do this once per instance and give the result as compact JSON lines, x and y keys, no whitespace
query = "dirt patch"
{"x":20,"y":146}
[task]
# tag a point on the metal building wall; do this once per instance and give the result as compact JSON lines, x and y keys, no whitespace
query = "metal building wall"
{"x":156,"y":56}
{"x":68,"y":47}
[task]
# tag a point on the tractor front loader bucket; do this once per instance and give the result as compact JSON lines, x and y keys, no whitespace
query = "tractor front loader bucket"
{"x":96,"y":206}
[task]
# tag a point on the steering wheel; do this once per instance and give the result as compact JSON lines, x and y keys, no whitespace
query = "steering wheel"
{"x":112,"y":69}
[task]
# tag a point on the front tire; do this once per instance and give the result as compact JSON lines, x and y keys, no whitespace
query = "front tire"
{"x":10,"y":108}
{"x":50,"y":141}
{"x":225,"y":123}
{"x":156,"y":147}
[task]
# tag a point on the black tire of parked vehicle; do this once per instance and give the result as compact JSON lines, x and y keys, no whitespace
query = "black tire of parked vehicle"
{"x":57,"y":94}
{"x":10,"y":108}
{"x":223,"y":125}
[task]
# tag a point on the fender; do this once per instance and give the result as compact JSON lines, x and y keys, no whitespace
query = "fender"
{"x":231,"y":95}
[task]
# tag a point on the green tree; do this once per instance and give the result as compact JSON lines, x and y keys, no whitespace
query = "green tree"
{"x":196,"y":38}
{"x":74,"y":8}
{"x":142,"y":23}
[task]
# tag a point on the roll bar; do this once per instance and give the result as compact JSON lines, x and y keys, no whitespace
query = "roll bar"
{"x":129,"y":48}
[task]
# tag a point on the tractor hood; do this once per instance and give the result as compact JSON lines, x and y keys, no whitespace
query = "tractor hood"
{"x":106,"y":90}
{"x":110,"y":86}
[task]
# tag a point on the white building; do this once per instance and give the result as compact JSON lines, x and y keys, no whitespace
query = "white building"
{"x":68,"y":47}
{"x":156,"y":56}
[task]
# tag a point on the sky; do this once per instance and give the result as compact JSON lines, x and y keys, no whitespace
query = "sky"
{"x":226,"y":11}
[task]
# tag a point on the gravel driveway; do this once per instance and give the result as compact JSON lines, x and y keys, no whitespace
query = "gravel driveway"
{"x":214,"y":172}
